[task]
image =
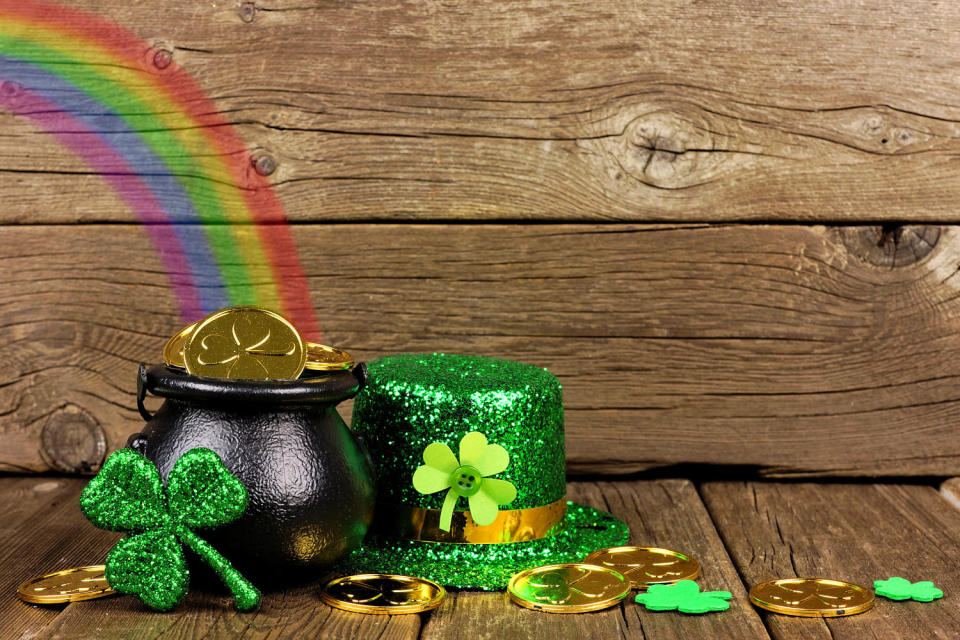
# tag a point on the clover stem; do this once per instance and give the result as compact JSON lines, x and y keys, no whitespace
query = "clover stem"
{"x":245,"y":595}
{"x":446,"y":512}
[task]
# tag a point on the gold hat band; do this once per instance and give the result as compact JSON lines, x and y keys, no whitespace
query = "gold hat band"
{"x":517,"y":525}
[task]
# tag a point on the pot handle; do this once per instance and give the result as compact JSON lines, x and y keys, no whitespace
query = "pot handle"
{"x":360,"y":373}
{"x":142,"y":392}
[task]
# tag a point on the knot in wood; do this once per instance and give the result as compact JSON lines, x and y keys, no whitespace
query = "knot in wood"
{"x":72,"y":441}
{"x":9,"y":89}
{"x":264,"y":164}
{"x":248,"y":12}
{"x":666,"y":149}
{"x":162,"y":58}
{"x":883,"y":130}
{"x":891,"y":245}
{"x":884,"y":134}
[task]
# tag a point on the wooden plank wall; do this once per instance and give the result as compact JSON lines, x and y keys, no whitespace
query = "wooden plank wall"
{"x":728,"y":226}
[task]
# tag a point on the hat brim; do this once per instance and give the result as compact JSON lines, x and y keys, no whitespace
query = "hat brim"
{"x":488,"y":566}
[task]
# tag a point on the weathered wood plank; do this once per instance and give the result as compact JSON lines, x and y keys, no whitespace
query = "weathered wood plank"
{"x":539,"y":109}
{"x":771,"y":347}
{"x":289,"y":614}
{"x":42,"y":531}
{"x":858,"y":533}
{"x":665,"y":513}
{"x":24,"y":496}
{"x":950,"y":490}
{"x":57,"y":536}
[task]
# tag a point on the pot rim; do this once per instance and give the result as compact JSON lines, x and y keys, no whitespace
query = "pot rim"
{"x":328,"y":389}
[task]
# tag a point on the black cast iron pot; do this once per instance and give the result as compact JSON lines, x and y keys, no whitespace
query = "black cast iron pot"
{"x":310,"y":482}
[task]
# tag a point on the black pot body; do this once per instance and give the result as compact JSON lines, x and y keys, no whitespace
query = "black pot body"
{"x":310,"y":483}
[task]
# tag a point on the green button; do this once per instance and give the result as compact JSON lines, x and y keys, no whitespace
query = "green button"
{"x":465,"y":481}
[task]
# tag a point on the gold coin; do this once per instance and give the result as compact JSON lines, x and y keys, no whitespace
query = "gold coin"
{"x":173,"y":350}
{"x":811,"y":597}
{"x":248,"y":343}
{"x":575,"y":587}
{"x":69,"y":585}
{"x":320,"y":357}
{"x":644,"y":566}
{"x":380,"y":593}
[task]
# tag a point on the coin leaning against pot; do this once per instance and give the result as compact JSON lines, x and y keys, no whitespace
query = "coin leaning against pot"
{"x":251,"y":343}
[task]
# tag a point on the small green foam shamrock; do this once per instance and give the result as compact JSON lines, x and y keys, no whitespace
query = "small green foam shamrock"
{"x":902,"y":589}
{"x":684,"y":596}
{"x":128,"y":496}
{"x":466,"y":478}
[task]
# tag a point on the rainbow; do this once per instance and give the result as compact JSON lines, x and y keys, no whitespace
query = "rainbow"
{"x":143,"y":123}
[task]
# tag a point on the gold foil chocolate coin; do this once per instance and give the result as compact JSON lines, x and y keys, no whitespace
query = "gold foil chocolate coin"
{"x":320,"y":357}
{"x":576,"y":587}
{"x":644,"y":566}
{"x":69,"y":585}
{"x":173,"y":350}
{"x":384,"y":594}
{"x":247,"y":343}
{"x":811,"y":597}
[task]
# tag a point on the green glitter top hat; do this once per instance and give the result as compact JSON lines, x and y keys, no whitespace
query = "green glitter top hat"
{"x":469,"y":453}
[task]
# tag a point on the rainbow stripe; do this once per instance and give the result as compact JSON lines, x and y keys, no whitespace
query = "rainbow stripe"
{"x":164,"y":148}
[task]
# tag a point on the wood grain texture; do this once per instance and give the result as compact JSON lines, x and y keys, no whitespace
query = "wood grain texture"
{"x":57,"y":536}
{"x":858,"y":533}
{"x":42,"y":530}
{"x":771,"y":347}
{"x":665,"y":513}
{"x":950,"y":490}
{"x":547,"y":110}
{"x":291,"y":614}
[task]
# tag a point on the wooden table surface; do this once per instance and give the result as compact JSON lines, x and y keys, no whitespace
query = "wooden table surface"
{"x":743,"y":532}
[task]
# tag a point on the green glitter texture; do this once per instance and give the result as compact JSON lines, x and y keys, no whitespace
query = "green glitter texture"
{"x":488,"y":566}
{"x":413,"y":400}
{"x":128,"y":495}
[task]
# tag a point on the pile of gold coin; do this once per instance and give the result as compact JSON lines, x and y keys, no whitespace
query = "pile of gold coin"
{"x":576,"y":587}
{"x":249,"y":343}
{"x":603,"y":579}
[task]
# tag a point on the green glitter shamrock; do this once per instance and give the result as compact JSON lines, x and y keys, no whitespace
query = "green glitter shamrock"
{"x":902,"y":589}
{"x":466,"y":478}
{"x":685,"y":597}
{"x":128,"y":495}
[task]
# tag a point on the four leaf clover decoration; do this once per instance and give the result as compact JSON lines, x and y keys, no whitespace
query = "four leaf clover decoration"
{"x":128,"y":495}
{"x":902,"y":589}
{"x":684,"y":596}
{"x":466,"y":477}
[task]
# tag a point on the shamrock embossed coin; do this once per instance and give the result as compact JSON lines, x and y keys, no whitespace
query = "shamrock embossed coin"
{"x":811,"y":597}
{"x":574,"y":587}
{"x":380,"y":593}
{"x":69,"y":585}
{"x":173,"y":350}
{"x":248,"y":343}
{"x":645,"y":566}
